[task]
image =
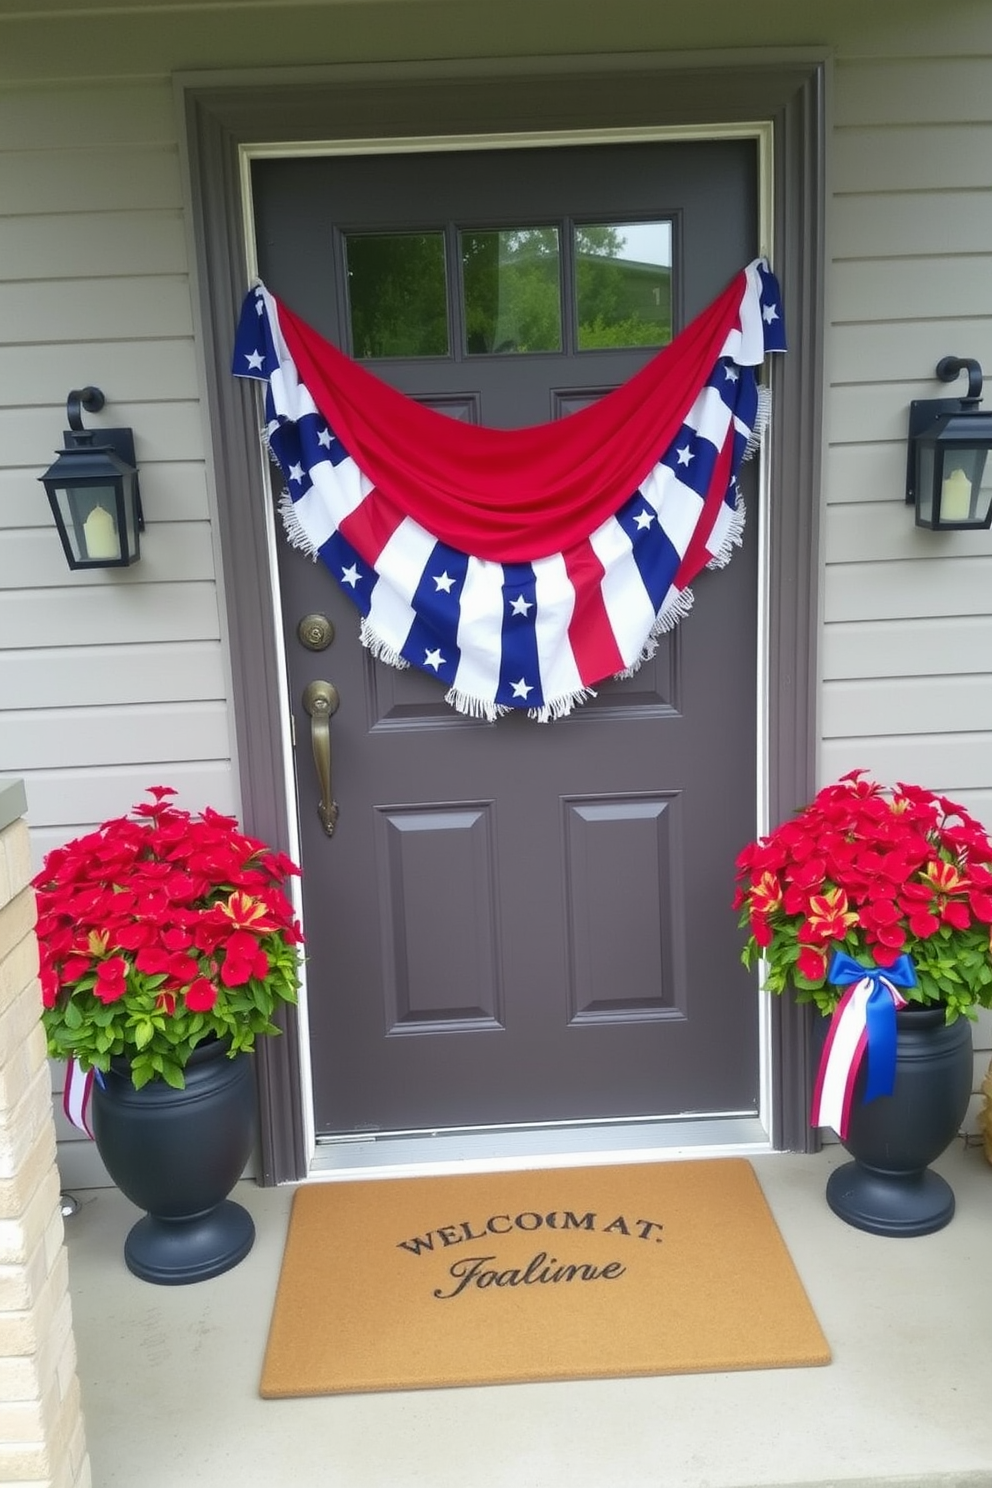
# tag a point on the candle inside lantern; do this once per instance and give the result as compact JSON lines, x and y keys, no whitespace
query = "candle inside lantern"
{"x":955,"y":497}
{"x":100,"y":535}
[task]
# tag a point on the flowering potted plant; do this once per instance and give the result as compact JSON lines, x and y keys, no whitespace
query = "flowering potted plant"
{"x":878,"y":873}
{"x":873,"y":902}
{"x":159,"y":931}
{"x":166,"y":945}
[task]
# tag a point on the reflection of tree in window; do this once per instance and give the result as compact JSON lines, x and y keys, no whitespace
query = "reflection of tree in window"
{"x":621,"y":301}
{"x":512,"y":290}
{"x":396,"y":289}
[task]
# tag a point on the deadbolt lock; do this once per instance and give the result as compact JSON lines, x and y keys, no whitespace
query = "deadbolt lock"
{"x":315,"y":632}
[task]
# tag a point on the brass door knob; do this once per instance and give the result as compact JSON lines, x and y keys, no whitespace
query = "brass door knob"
{"x":315,"y":632}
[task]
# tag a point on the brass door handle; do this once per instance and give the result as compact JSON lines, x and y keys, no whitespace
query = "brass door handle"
{"x":321,"y":700}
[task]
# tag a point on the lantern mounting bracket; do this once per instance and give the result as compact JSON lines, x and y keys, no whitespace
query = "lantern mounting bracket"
{"x":951,"y":367}
{"x":90,"y":398}
{"x":923,"y":412}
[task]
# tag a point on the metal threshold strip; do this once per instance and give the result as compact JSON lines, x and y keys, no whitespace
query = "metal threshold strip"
{"x":559,"y":1144}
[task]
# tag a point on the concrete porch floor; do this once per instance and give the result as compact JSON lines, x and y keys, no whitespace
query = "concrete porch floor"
{"x":170,"y":1375}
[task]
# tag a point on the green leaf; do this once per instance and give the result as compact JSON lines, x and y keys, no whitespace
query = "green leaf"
{"x":144,"y":1033}
{"x":172,"y":1074}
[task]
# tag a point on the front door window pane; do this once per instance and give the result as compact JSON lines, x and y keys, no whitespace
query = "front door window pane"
{"x":397,"y":294}
{"x":512,"y":285}
{"x":623,"y":278}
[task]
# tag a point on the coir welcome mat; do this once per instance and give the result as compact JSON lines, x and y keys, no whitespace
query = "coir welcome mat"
{"x":571,"y":1273}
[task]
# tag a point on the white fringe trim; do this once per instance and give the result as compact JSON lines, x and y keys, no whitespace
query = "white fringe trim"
{"x":733,"y":537}
{"x":380,"y":649}
{"x":674,"y":610}
{"x":474,"y":707}
{"x":296,"y":533}
{"x":560,"y":707}
{"x":761,"y":420}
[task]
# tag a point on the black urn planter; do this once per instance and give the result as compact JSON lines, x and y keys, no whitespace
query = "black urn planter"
{"x":888,"y":1189}
{"x":178,"y":1154}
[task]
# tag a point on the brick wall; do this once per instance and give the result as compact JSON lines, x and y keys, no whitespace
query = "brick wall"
{"x":42,"y":1441}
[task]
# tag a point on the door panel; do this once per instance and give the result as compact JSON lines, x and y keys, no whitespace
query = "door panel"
{"x":516,"y":922}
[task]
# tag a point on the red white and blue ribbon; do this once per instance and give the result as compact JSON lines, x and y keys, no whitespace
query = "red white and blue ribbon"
{"x":863,"y":1022}
{"x":76,"y":1095}
{"x":518,"y":566}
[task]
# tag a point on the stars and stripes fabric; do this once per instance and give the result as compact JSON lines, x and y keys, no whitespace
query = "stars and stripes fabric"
{"x":518,"y":566}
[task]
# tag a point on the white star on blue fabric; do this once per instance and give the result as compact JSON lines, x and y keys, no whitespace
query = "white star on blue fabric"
{"x":731,"y":373}
{"x":254,"y":360}
{"x":350,"y":576}
{"x":296,"y":473}
{"x":643,"y":519}
{"x":520,"y":606}
{"x":259,"y":306}
{"x":443,"y":581}
{"x":769,"y":313}
{"x":433,"y":659}
{"x":324,"y":438}
{"x":521,"y":688}
{"x":685,"y":454}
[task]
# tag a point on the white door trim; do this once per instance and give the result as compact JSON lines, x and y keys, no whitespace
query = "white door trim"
{"x":567,"y":1141}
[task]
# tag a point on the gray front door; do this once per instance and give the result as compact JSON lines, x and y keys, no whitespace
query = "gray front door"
{"x":519,"y":922}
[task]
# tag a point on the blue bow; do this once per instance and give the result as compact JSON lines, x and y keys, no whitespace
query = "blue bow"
{"x":880,"y":1014}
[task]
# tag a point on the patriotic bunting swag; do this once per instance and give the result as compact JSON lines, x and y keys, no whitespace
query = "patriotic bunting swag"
{"x":863,"y":1022}
{"x":519,"y":566}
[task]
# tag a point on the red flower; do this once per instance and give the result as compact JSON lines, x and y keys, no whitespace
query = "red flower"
{"x":812,"y":964}
{"x":761,"y":930}
{"x":828,"y":918}
{"x":111,"y":981}
{"x":765,"y":894}
{"x":183,"y":969}
{"x":152,"y":960}
{"x":50,"y":985}
{"x":243,"y":959}
{"x":74,"y":967}
{"x":200,"y":995}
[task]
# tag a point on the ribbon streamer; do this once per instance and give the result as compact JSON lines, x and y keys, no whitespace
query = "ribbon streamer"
{"x":76,"y":1094}
{"x":863,"y":1021}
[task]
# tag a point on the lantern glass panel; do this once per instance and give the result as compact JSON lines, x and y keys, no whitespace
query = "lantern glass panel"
{"x":925,"y":462}
{"x":129,"y":503}
{"x":965,"y":489}
{"x":88,"y":515}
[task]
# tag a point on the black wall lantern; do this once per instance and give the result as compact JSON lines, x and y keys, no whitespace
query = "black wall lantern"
{"x":93,"y":490}
{"x":949,"y":441}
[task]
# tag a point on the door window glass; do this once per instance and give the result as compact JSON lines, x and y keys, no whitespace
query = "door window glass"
{"x":397,"y":294}
{"x":623,"y":284}
{"x":512,"y":285}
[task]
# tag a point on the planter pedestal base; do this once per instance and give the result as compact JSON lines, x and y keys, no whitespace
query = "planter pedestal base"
{"x":177,"y":1154}
{"x":890,"y":1203}
{"x":172,"y":1252}
{"x":889,"y":1188}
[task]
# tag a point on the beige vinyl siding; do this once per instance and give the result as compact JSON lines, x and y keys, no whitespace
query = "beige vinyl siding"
{"x":108,"y":681}
{"x":907,"y":670}
{"x":907,"y":637}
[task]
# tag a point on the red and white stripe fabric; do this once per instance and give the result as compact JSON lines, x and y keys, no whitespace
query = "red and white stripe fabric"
{"x":519,"y":567}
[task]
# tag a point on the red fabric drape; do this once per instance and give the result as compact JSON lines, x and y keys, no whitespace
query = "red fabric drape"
{"x":512,"y":495}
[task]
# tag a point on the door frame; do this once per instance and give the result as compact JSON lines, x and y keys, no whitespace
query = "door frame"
{"x":779,"y":97}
